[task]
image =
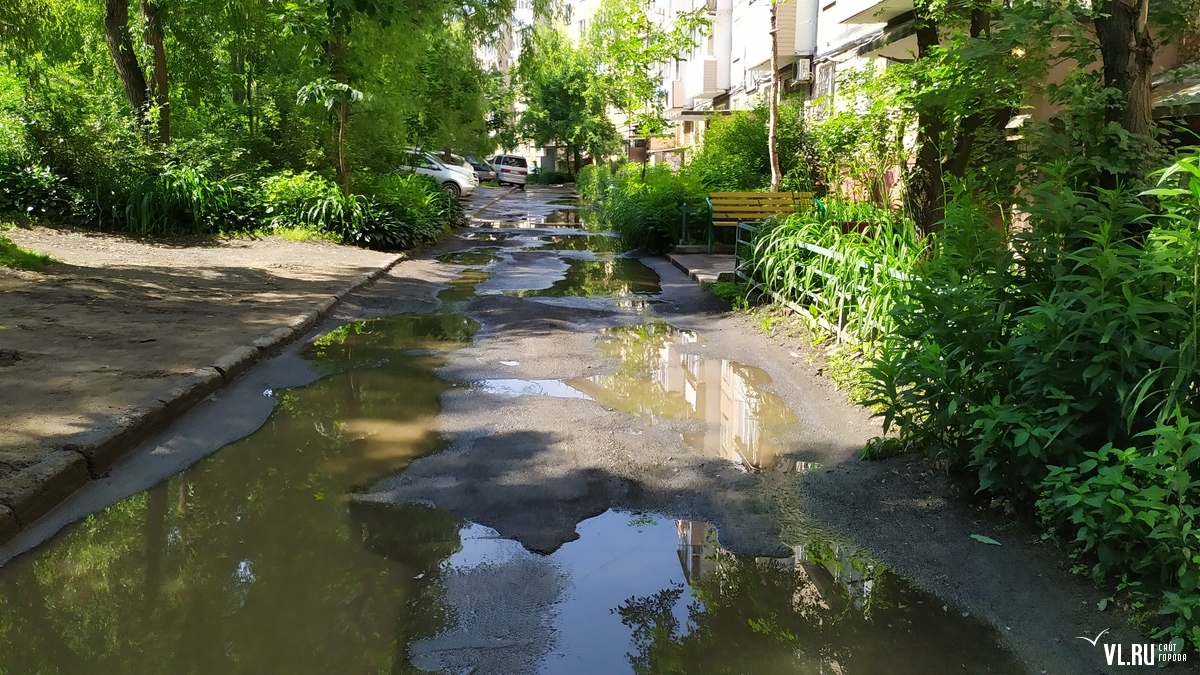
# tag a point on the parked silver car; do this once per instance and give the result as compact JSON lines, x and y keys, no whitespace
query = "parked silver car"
{"x":456,"y":180}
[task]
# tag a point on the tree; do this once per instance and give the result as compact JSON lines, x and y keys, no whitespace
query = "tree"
{"x":116,"y":35}
{"x":629,"y":48}
{"x":563,"y":104}
{"x":1127,"y":51}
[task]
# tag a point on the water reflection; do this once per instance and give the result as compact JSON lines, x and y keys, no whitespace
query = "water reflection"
{"x":462,"y":287}
{"x":826,"y":609}
{"x":604,"y":277}
{"x":658,"y":378}
{"x":248,"y":561}
{"x":475,"y":256}
{"x":597,"y":243}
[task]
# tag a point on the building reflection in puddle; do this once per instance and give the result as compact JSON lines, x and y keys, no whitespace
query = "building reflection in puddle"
{"x":825,"y":609}
{"x":661,"y":377}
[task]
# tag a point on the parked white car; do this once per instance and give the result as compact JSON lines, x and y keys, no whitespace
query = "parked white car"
{"x":510,"y":169}
{"x":456,"y":180}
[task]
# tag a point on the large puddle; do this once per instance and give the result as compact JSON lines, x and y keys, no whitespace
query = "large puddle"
{"x":265,"y":558}
{"x":660,"y":377}
{"x":247,"y":562}
{"x":614,"y":277}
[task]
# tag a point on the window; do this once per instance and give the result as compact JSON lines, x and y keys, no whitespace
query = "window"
{"x":711,"y":49}
{"x":687,"y":127}
{"x":510,"y":160}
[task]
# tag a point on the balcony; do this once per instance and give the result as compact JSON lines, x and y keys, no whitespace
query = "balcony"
{"x":702,"y":80}
{"x":876,"y":11}
{"x":797,"y":24}
{"x":679,"y":99}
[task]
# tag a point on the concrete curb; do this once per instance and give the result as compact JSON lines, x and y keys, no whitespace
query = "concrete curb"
{"x":695,"y":276}
{"x":33,"y":490}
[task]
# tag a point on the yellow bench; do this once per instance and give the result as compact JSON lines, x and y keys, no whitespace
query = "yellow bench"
{"x":730,"y":209}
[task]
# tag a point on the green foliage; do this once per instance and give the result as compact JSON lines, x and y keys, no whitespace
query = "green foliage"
{"x":1060,"y":365}
{"x":734,"y":156}
{"x":629,"y":47}
{"x":855,"y":143}
{"x":645,"y":210}
{"x":730,"y":291}
{"x":538,"y":177}
{"x":256,"y":91}
{"x":564,"y":103}
{"x":853,"y":285}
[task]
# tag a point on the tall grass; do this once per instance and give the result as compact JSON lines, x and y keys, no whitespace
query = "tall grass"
{"x":849,"y":288}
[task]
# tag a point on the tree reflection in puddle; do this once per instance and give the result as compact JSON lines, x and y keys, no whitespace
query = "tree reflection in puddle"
{"x":609,"y":277}
{"x":642,"y":593}
{"x":247,"y":561}
{"x":827,"y":609}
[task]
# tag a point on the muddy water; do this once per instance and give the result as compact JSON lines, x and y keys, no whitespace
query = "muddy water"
{"x":247,"y":562}
{"x":258,"y":559}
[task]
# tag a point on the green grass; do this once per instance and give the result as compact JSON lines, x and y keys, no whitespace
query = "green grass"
{"x":16,"y":257}
{"x":731,"y":292}
{"x":292,"y":234}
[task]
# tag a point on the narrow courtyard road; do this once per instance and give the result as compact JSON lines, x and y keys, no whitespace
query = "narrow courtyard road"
{"x":528,"y":451}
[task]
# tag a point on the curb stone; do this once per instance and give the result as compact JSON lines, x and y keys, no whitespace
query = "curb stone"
{"x":33,"y":490}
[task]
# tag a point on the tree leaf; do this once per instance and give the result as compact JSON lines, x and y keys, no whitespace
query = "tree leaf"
{"x":985,"y":540}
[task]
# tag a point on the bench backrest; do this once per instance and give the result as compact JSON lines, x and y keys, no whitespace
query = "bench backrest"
{"x":729,"y":208}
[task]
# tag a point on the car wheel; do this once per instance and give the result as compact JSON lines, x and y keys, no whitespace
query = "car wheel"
{"x":452,"y":187}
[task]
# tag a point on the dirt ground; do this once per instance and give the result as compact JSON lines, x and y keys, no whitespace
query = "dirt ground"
{"x":118,"y":320}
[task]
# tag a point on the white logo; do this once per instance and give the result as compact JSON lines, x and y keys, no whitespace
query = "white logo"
{"x":1138,"y":654}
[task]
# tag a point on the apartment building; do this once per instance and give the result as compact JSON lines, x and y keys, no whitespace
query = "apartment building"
{"x":731,"y":67}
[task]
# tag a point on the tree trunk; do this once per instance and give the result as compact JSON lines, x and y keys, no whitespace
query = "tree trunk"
{"x":925,"y":189}
{"x":958,"y":161}
{"x":1127,"y":50}
{"x":120,"y":46}
{"x":335,"y":51}
{"x":773,"y":121}
{"x":159,"y":86}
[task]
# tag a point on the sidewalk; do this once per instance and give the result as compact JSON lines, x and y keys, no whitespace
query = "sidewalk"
{"x":122,"y":336}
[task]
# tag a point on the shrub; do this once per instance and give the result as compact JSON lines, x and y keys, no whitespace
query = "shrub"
{"x":184,"y":200}
{"x":1060,"y":365}
{"x":538,"y":177}
{"x":34,"y":190}
{"x":646,"y":210}
{"x":734,"y":155}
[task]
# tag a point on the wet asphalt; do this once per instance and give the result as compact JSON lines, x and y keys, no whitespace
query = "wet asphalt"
{"x":594,"y":382}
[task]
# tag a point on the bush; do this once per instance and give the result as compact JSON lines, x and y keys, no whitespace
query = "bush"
{"x":644,"y":210}
{"x":734,"y":155}
{"x":184,"y":200}
{"x":1061,"y":366}
{"x":538,"y":177}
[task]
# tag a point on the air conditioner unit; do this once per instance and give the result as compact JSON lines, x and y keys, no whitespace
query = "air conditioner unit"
{"x":802,"y":70}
